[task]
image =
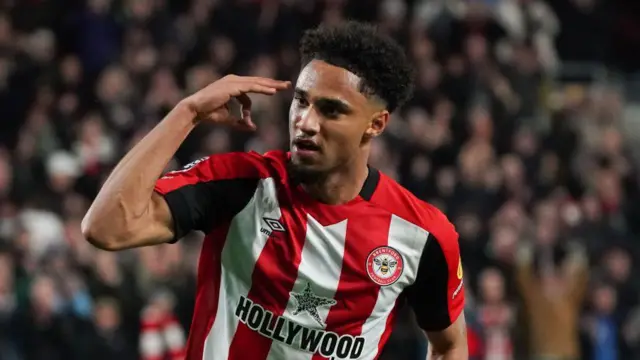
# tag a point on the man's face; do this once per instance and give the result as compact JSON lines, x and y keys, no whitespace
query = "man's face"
{"x":330,"y":119}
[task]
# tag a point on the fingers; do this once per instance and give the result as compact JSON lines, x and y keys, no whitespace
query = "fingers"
{"x":258,"y":89}
{"x":255,"y":85}
{"x":267,"y":82}
{"x":245,"y":121}
{"x":245,"y":100}
{"x":245,"y":126}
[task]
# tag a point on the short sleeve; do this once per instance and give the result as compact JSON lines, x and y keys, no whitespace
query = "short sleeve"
{"x":209,"y":191}
{"x":437,"y":296}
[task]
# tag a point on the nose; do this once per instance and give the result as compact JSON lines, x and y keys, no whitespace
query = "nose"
{"x":308,"y":122}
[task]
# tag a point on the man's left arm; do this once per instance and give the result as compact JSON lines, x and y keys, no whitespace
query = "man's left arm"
{"x":437,"y":297}
{"x":450,"y":343}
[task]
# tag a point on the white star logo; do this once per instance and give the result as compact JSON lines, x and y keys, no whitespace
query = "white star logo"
{"x":308,"y":302}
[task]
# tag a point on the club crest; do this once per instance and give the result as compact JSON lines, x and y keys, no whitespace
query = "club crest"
{"x":384,"y":265}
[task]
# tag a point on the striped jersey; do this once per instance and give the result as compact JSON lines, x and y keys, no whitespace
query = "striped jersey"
{"x":283,"y":276}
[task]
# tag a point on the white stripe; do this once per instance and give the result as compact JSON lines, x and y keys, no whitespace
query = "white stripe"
{"x":409,"y":240}
{"x":239,"y":256}
{"x":320,"y":265}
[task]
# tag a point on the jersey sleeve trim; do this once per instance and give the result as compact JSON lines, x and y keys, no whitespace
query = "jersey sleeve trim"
{"x":437,"y":295}
{"x":210,"y":190}
{"x":179,"y":209}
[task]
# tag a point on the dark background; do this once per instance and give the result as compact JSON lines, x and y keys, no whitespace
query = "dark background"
{"x":523,"y":129}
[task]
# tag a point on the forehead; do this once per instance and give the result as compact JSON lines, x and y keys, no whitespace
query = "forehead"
{"x":321,"y":79}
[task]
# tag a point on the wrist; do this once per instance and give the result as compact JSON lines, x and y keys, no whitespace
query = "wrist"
{"x":187,"y":111}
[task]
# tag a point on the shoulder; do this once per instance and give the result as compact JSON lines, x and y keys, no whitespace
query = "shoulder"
{"x":396,"y":199}
{"x":226,"y":166}
{"x":233,"y":165}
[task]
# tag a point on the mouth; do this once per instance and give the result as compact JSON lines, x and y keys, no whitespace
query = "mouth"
{"x":306,"y":146}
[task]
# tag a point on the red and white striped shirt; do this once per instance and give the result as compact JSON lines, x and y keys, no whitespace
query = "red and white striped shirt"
{"x":282,"y":276}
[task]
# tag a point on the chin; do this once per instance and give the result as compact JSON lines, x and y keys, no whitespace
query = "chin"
{"x":304,"y":171}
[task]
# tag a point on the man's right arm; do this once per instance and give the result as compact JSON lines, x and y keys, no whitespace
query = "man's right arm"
{"x":131,"y":210}
{"x":127,"y":212}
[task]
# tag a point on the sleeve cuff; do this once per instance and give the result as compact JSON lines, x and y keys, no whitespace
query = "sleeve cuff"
{"x":179,"y":213}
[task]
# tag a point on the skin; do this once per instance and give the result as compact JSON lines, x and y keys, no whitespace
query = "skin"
{"x":328,"y":110}
{"x":450,"y":343}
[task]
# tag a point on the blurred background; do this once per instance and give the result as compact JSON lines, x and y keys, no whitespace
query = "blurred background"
{"x":524,"y":129}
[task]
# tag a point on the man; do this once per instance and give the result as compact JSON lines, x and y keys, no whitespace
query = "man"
{"x":308,"y":254}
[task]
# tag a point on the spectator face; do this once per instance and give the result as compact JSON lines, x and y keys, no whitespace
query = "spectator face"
{"x":429,"y":76}
{"x":618,"y":265}
{"x":468,"y":225}
{"x":71,"y":70}
{"x":107,"y":267}
{"x":44,"y":295}
{"x":474,"y":159}
{"x":6,"y":274}
{"x":222,"y":52}
{"x":604,"y":299}
{"x":446,"y":181}
{"x":5,"y":31}
{"x":545,"y":234}
{"x":591,"y":208}
{"x":608,"y":187}
{"x":99,"y":6}
{"x":41,"y":46}
{"x":6,"y":173}
{"x":217,"y":141}
{"x":504,"y":243}
{"x":476,"y":48}
{"x":114,"y":85}
{"x":420,"y":167}
{"x":481,"y":124}
{"x":198,"y":77}
{"x":140,"y":9}
{"x":330,"y":112}
{"x":106,"y":315}
{"x":491,"y":286}
{"x":513,"y":170}
{"x":611,"y":142}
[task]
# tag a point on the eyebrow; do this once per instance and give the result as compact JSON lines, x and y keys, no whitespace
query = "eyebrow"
{"x":339,"y":104}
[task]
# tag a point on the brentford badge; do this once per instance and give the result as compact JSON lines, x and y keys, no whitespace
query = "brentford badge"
{"x":384,"y":265}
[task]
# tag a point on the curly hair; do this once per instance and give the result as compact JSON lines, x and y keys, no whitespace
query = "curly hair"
{"x":377,"y":59}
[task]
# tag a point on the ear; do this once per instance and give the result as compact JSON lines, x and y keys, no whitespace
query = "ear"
{"x":377,"y":124}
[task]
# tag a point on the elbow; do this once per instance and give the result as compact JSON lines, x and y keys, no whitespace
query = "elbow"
{"x":98,"y":236}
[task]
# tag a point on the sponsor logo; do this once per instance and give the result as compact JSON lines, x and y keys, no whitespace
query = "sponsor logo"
{"x":273,"y":225}
{"x":384,"y":265}
{"x":308,"y":302}
{"x":457,"y":290}
{"x":184,"y":168}
{"x":315,"y":341}
{"x":459,"y":273}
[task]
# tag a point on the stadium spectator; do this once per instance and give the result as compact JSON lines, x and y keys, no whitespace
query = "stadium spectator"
{"x":516,"y":131}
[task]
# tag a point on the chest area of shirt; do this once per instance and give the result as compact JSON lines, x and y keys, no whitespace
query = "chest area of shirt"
{"x":322,"y":266}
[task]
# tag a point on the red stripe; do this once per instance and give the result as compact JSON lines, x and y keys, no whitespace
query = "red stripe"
{"x":388,"y":328}
{"x":216,"y":167}
{"x":273,"y":279}
{"x":356,"y":295}
{"x":208,"y":291}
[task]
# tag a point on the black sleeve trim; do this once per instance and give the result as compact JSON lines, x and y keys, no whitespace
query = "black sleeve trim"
{"x":205,"y":205}
{"x":428,"y":296}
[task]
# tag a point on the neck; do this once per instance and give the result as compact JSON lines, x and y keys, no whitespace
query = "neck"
{"x":340,"y":186}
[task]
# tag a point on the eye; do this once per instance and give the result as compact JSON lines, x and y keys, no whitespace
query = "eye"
{"x":328,"y":110}
{"x":301,"y":100}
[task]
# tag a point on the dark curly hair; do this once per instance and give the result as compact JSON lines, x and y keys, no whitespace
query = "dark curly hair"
{"x":377,"y":59}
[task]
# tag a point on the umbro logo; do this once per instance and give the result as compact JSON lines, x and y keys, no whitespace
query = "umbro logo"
{"x":273,"y":225}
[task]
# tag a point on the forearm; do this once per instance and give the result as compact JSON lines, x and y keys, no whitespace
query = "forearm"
{"x":455,"y":353}
{"x":449,"y":344}
{"x":125,"y":198}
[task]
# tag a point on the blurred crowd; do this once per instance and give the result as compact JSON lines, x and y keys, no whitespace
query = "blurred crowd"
{"x":536,"y":168}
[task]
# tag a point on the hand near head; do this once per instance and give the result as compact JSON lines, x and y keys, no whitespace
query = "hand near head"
{"x":215,"y":103}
